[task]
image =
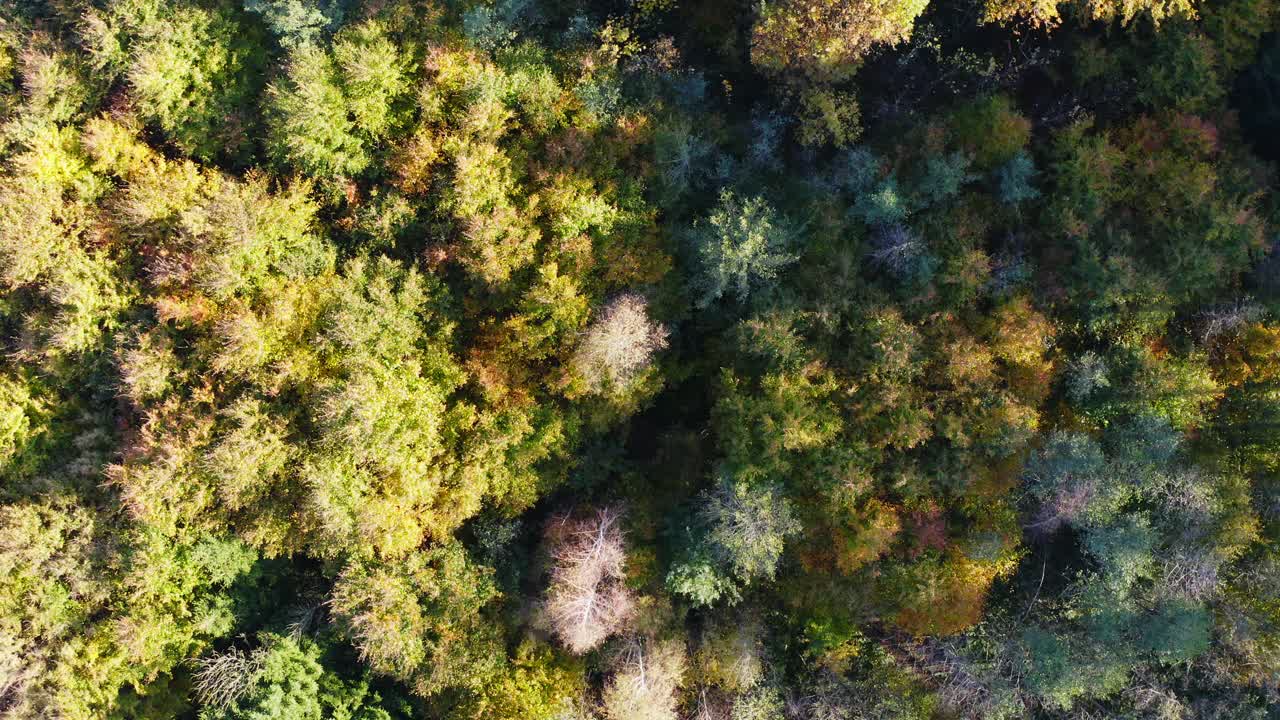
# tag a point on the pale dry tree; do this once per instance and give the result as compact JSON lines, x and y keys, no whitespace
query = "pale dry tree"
{"x":828,"y":697}
{"x":1190,"y":574}
{"x":222,"y":679}
{"x":307,"y":615}
{"x":1064,"y":507}
{"x":645,"y":680}
{"x":963,"y":687}
{"x":20,"y":673}
{"x":1154,"y":699}
{"x":1087,"y":374}
{"x":1186,"y":493}
{"x":587,"y":600}
{"x":1228,"y":318}
{"x":896,"y":247}
{"x":731,"y":654}
{"x":712,"y":703}
{"x":619,"y":344}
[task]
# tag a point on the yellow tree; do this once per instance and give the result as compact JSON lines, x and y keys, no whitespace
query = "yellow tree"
{"x":825,"y":39}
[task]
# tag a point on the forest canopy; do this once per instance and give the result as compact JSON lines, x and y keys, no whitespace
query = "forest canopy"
{"x":652,"y":360}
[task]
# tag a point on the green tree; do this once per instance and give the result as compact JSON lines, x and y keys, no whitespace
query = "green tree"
{"x":747,"y":527}
{"x":298,"y":22}
{"x":193,"y":72}
{"x":282,"y":677}
{"x":741,"y":245}
{"x":421,"y":621}
{"x":332,"y":107}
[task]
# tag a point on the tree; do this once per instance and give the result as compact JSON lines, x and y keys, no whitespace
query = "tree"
{"x":944,"y":176}
{"x":1015,"y":178}
{"x":1183,"y":72}
{"x":238,"y":236}
{"x":283,"y":677}
{"x":193,"y":72}
{"x":298,"y":22}
{"x":45,"y":591}
{"x":551,"y":312}
{"x":538,"y":684}
{"x":1065,"y":476}
{"x":279,"y":679}
{"x":308,"y":119}
{"x":71,"y":642}
{"x":825,"y":39}
{"x":1178,"y":632}
{"x":382,"y":481}
{"x":740,"y":245}
{"x":1059,"y":671}
{"x":703,"y":581}
{"x":646,"y":675}
{"x":990,"y":130}
{"x":1086,"y":375}
{"x":330,"y":107}
{"x":903,"y":253}
{"x":421,"y":620}
{"x":882,"y":205}
{"x":22,"y":418}
{"x":587,"y":599}
{"x":748,"y":526}
{"x":739,"y":535}
{"x":731,"y":655}
{"x":1045,"y":12}
{"x":619,"y":344}
{"x":683,"y":157}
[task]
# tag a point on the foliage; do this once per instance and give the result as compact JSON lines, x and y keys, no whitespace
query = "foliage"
{"x":298,"y":22}
{"x":331,"y":106}
{"x":740,"y":245}
{"x":808,"y":360}
{"x":747,"y":527}
{"x":192,"y":71}
{"x":824,"y":38}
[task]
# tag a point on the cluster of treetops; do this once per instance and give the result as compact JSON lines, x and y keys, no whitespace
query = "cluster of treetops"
{"x":639,"y":360}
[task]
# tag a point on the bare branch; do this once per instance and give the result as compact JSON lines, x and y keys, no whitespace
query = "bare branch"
{"x":587,"y":600}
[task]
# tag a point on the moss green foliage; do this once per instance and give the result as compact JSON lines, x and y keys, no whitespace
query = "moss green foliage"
{"x":741,"y":245}
{"x":515,"y":360}
{"x":193,"y":71}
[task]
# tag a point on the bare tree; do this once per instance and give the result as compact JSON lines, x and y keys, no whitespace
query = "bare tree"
{"x":20,"y":673}
{"x":587,"y":600}
{"x":901,"y":252}
{"x":711,"y":703}
{"x":896,"y":247}
{"x":644,"y":683}
{"x":1191,"y":574}
{"x":966,"y":688}
{"x":221,"y":680}
{"x":620,"y":344}
{"x":1228,"y":317}
{"x":1153,"y":698}
{"x":731,"y":654}
{"x":828,"y":697}
{"x":1064,"y":507}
